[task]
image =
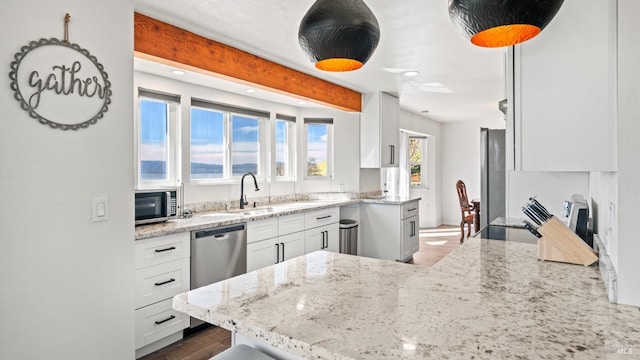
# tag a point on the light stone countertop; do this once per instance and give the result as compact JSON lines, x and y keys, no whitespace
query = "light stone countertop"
{"x":206,"y":220}
{"x":488,"y":299}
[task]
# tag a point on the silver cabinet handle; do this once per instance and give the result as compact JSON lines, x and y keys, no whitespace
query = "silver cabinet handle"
{"x":323,"y":217}
{"x":277,"y":253}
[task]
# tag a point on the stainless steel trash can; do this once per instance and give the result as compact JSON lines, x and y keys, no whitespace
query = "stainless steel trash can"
{"x":349,"y":237}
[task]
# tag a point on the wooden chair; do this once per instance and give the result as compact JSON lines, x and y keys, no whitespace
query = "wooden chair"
{"x":466,"y":209}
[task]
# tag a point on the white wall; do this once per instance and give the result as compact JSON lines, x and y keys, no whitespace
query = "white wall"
{"x":550,"y":188}
{"x":628,"y":150}
{"x":430,"y":205}
{"x":461,"y":161}
{"x":68,"y":283}
{"x":346,"y":130}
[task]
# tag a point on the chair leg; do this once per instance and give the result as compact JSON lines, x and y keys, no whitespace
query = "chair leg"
{"x":461,"y":232}
{"x":468,"y":229}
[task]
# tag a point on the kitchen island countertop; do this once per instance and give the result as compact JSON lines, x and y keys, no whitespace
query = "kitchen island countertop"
{"x":487,"y":299}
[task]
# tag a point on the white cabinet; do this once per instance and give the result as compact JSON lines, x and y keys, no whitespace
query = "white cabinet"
{"x":274,"y":240}
{"x":390,"y":231}
{"x":162,"y":271}
{"x":325,"y":237}
{"x":379,"y":131}
{"x":561,"y":92}
{"x":272,"y":251}
{"x":322,"y":230}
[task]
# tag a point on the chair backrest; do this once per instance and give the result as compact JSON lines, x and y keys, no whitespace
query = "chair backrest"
{"x":461,"y":189}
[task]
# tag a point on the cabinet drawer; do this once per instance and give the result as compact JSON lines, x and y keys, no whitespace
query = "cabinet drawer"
{"x":262,"y":229}
{"x":410,"y":209}
{"x":321,"y":217}
{"x":290,"y":223}
{"x":162,"y":249}
{"x":157,"y":321}
{"x":160,"y":282}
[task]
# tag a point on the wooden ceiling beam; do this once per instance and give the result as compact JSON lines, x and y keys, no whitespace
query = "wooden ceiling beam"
{"x":165,"y":43}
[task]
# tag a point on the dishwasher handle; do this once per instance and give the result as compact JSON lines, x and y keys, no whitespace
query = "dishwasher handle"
{"x":218,"y":232}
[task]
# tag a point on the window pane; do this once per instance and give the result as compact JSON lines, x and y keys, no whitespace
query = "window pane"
{"x":207,"y":144}
{"x":317,"y":149}
{"x":282,"y":148}
{"x":415,"y":150}
{"x":153,"y":146}
{"x":244,"y":145}
{"x":416,"y":174}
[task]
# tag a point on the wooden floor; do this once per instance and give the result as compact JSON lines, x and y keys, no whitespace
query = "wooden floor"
{"x":435,"y":244}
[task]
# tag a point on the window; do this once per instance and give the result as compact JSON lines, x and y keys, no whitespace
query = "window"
{"x":225,"y":141}
{"x":319,"y":134}
{"x":417,"y":161}
{"x":284,"y":148}
{"x":157,"y":139}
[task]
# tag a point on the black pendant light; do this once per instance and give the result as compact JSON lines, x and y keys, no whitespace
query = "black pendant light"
{"x":339,"y":35}
{"x":496,"y":23}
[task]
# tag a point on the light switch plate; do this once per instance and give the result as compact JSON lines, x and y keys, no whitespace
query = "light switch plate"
{"x":100,"y":209}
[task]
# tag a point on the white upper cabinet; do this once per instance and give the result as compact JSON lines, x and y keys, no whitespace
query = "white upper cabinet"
{"x":562,"y":92}
{"x":379,"y":132}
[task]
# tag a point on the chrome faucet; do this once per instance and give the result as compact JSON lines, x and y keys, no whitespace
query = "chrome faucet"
{"x":243,"y":197}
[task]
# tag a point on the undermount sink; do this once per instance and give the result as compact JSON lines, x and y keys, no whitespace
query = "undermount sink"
{"x":221,"y":215}
{"x":295,"y":205}
{"x":255,"y":211}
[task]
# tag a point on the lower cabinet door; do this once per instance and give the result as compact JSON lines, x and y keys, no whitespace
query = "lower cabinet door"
{"x":262,"y":254}
{"x":410,"y":234}
{"x":158,"y":321}
{"x":322,"y":238}
{"x":292,"y":245}
{"x":333,"y":238}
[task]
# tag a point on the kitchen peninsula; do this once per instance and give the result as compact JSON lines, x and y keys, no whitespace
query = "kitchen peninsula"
{"x":488,"y":299}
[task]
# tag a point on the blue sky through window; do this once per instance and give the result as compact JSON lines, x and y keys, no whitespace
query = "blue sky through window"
{"x":153,"y":146}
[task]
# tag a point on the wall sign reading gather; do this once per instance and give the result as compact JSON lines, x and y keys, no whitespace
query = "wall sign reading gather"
{"x":60,"y":84}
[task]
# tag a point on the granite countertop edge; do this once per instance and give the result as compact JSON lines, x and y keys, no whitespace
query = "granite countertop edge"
{"x":207,"y":220}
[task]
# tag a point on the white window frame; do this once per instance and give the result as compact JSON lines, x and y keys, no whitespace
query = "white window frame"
{"x":423,"y":163}
{"x":291,"y":144}
{"x":304,"y":163}
{"x":173,"y":165}
{"x":228,"y":112}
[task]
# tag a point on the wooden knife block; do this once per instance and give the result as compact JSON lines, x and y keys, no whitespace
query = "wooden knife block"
{"x":559,"y":243}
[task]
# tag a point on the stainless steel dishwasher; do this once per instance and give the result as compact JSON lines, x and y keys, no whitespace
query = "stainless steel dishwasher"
{"x":217,"y":254}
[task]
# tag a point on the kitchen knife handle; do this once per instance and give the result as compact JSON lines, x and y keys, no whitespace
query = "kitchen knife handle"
{"x":532,"y":229}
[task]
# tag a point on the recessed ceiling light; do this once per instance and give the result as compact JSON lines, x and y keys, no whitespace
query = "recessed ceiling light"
{"x":411,"y":73}
{"x":177,"y":72}
{"x":251,"y":90}
{"x":302,"y":102}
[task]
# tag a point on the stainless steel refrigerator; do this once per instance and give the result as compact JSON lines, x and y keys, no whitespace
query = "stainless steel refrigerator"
{"x":493,"y":175}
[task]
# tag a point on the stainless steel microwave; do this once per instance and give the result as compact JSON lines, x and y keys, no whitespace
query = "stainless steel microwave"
{"x":157,"y":205}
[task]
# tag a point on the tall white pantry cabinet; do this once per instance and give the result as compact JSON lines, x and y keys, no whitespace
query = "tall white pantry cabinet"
{"x":379,"y":132}
{"x":561,"y":92}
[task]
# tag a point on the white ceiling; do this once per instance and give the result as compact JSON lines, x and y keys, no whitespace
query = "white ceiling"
{"x":457,"y":82}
